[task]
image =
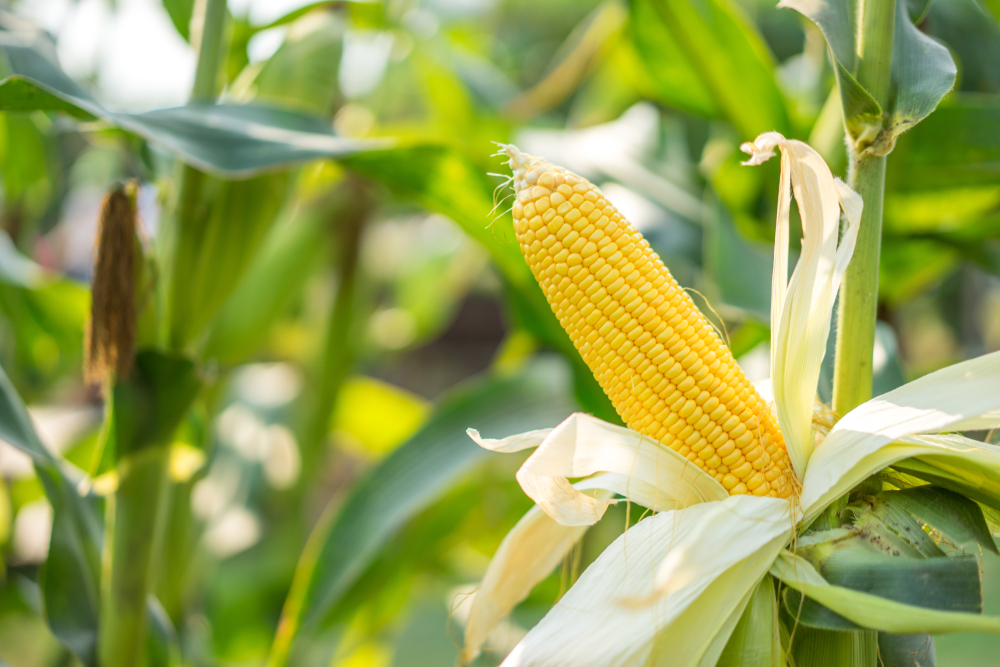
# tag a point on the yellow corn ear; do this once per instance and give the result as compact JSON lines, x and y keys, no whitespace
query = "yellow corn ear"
{"x":662,"y":364}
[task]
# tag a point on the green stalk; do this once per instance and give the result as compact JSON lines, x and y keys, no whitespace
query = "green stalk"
{"x":852,"y":380}
{"x":852,"y":376}
{"x":338,"y":353}
{"x":135,"y":515}
{"x":209,"y":33}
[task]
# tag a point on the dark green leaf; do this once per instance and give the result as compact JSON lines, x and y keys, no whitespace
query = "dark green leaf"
{"x":951,"y":519}
{"x":418,"y":472}
{"x":71,"y":573}
{"x":948,"y":584}
{"x":812,"y":614}
{"x":887,"y":526}
{"x":70,"y":577}
{"x":16,"y":427}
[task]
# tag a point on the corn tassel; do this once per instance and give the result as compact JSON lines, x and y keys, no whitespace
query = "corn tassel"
{"x":659,"y":360}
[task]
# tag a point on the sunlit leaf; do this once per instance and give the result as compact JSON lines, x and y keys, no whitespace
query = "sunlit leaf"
{"x":288,"y":256}
{"x":377,"y":415}
{"x":708,"y":58}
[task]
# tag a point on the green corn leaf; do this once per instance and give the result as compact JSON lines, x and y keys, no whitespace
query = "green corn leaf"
{"x":857,"y":587}
{"x":969,"y":482}
{"x":740,"y":268}
{"x":951,"y":584}
{"x":755,"y":640}
{"x":303,"y":72}
{"x":70,"y":577}
{"x":230,"y":139}
{"x":889,"y":528}
{"x":825,"y":648}
{"x":230,"y":221}
{"x":180,"y":13}
{"x":410,"y":479}
{"x":922,"y":72}
{"x":873,"y":611}
{"x":706,"y":57}
{"x":944,"y":175}
{"x":162,"y":649}
{"x":952,"y":520}
{"x":288,"y":256}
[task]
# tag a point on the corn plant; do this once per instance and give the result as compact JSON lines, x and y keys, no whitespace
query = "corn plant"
{"x":809,"y":533}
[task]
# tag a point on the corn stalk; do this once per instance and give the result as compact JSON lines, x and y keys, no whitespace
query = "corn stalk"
{"x":140,"y":427}
{"x":852,"y":383}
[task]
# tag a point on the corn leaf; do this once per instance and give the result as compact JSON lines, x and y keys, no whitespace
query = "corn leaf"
{"x":707,"y":58}
{"x":922,"y":72}
{"x":949,"y":518}
{"x":949,"y":584}
{"x":230,"y":139}
{"x":288,"y":256}
{"x":755,"y":640}
{"x":410,"y":479}
{"x":148,"y":407}
{"x":740,"y":267}
{"x":529,"y":552}
{"x":180,"y":13}
{"x":216,"y":244}
{"x":71,"y":574}
{"x":873,"y":611}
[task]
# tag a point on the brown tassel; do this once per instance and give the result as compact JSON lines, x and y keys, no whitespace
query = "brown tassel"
{"x":110,"y":337}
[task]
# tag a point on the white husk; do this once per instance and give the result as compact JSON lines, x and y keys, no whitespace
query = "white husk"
{"x":583,"y":445}
{"x":610,"y":617}
{"x":801,"y":310}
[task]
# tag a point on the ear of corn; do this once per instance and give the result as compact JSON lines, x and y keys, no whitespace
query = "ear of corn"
{"x":661,"y":362}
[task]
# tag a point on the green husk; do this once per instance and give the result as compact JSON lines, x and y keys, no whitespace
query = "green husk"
{"x":755,"y":641}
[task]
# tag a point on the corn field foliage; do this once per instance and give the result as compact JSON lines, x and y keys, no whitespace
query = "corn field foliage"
{"x":327,"y":292}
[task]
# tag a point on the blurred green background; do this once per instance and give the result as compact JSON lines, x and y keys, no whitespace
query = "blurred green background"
{"x":356,"y":305}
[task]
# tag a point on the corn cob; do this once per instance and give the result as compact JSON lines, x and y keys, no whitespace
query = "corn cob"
{"x":659,"y":360}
